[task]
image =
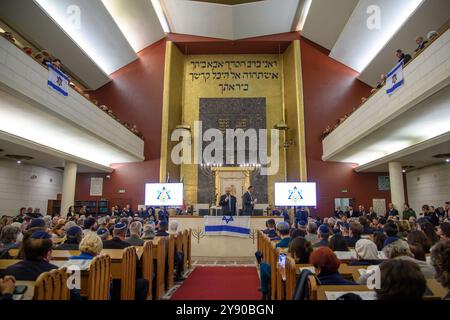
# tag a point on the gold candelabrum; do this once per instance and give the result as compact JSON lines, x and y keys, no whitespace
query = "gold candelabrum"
{"x":198,"y":234}
{"x":253,"y":235}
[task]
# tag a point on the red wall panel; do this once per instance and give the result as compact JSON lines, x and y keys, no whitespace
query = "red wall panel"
{"x":330,"y":90}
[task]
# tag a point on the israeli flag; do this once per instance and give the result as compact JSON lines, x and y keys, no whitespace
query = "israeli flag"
{"x":394,"y":79}
{"x":57,"y":80}
{"x":227,"y":226}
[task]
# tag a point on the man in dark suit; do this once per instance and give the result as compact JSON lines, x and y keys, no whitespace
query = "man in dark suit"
{"x":228,"y":203}
{"x":351,"y":213}
{"x":248,"y":203}
{"x":37,"y":250}
{"x":118,"y":240}
{"x":392,"y":211}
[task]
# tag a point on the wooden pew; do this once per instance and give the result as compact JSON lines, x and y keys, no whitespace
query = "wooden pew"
{"x":52,"y":285}
{"x":159,"y":256}
{"x":147,"y":266}
{"x":128,"y":274}
{"x":170,"y":262}
{"x":99,"y":278}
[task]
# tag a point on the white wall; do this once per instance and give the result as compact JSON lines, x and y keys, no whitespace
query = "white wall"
{"x":18,"y":189}
{"x":429,"y":186}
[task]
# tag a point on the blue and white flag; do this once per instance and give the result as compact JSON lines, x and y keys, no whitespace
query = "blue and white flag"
{"x":57,"y":80}
{"x":394,"y":79}
{"x":227,"y":226}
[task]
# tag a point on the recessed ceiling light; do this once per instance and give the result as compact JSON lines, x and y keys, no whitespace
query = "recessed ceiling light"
{"x":19,"y":162}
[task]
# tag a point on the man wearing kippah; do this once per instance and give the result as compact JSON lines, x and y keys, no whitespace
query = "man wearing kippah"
{"x":37,"y":252}
{"x":74,"y":235}
{"x":119,"y":234}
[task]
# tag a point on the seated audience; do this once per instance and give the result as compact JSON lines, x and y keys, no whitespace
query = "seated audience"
{"x":135,"y":234}
{"x":265,"y":269}
{"x":322,"y":235}
{"x":90,"y":225}
{"x":400,"y":280}
{"x":8,"y":240}
{"x":300,"y":249}
{"x":337,"y":243}
{"x":421,"y":43}
{"x":90,"y":246}
{"x":173,"y":227}
{"x":440,"y":259}
{"x":73,"y":238}
{"x":400,"y":250}
{"x":402,"y":56}
{"x":428,"y":229}
{"x":391,"y":231}
{"x":366,"y":252}
{"x":283,"y":232}
{"x":162,"y":229}
{"x":444,"y":231}
{"x":103,"y":233}
{"x":403,"y":228}
{"x":118,"y":240}
{"x":37,"y":252}
{"x":432,"y":35}
{"x":58,"y":231}
{"x":418,"y":238}
{"x":7,"y":287}
{"x":326,"y":265}
{"x":354,"y":234}
{"x":311,"y":233}
{"x":270,"y":228}
{"x":149,"y":232}
{"x":365,"y":223}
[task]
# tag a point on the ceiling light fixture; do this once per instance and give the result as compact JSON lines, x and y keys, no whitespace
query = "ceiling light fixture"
{"x":161,"y":16}
{"x":304,"y":14}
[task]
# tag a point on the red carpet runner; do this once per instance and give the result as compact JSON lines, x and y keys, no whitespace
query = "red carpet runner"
{"x":220,"y":283}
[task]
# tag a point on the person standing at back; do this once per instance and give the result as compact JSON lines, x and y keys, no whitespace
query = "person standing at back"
{"x":248,"y":202}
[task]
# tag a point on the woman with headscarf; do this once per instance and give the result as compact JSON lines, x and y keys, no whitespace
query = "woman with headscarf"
{"x":367,"y":254}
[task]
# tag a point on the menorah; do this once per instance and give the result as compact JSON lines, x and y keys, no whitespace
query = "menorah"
{"x":198,"y":234}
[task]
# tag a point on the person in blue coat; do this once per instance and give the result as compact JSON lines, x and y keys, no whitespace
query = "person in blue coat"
{"x":301,"y":215}
{"x":265,"y":269}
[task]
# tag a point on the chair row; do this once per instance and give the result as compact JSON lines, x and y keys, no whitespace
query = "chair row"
{"x":156,"y":258}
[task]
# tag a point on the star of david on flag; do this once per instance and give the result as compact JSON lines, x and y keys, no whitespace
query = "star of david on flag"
{"x":57,"y":80}
{"x":227,"y":226}
{"x":394,"y":79}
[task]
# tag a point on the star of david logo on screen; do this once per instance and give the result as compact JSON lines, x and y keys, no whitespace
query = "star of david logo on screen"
{"x":295,"y":195}
{"x":227,"y":219}
{"x":163,"y":195}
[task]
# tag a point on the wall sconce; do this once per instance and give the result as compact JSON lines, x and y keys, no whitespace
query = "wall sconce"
{"x":281,"y":126}
{"x":184,"y":127}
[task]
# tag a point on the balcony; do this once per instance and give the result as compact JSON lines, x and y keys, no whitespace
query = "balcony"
{"x":71,"y":126}
{"x":416,"y":116}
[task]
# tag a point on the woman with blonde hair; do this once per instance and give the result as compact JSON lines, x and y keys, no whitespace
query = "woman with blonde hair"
{"x":90,"y":246}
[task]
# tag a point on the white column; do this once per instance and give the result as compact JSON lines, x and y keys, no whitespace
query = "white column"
{"x":68,"y":187}
{"x":397,"y":189}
